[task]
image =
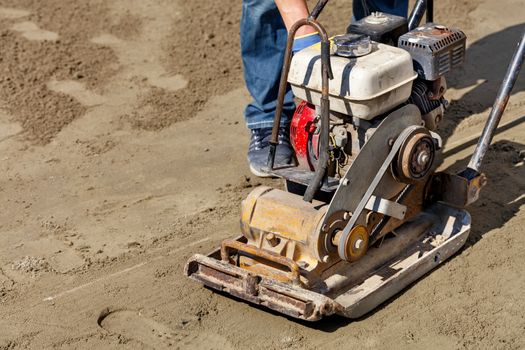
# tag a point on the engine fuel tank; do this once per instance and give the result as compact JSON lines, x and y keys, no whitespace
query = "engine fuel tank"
{"x":363,"y":87}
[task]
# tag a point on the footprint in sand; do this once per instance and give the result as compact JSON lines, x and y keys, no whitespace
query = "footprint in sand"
{"x":106,"y":39}
{"x":132,"y":325}
{"x":31,"y":31}
{"x":171,"y":83}
{"x":11,"y":13}
{"x":76,"y":90}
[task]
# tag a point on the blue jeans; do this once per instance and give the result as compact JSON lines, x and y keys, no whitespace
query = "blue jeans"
{"x":394,"y":7}
{"x":263,"y":40}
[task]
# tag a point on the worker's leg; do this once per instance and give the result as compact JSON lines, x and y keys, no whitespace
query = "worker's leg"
{"x":362,"y":8}
{"x":263,"y":41}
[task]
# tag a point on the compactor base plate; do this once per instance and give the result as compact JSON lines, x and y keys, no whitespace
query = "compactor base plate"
{"x":348,"y":289}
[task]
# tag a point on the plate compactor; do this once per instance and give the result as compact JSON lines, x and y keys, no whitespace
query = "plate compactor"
{"x":364,"y":213}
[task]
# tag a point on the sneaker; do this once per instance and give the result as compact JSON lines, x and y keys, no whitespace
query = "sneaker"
{"x":260,"y":147}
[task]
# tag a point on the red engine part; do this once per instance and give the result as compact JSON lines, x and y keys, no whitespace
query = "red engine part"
{"x":302,"y":135}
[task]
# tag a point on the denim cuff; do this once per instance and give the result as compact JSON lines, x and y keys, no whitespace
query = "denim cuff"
{"x":267,"y":124}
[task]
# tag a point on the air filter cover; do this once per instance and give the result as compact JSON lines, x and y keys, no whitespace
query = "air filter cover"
{"x":435,"y":49}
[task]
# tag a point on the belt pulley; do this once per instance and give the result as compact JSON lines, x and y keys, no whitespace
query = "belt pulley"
{"x":414,"y":152}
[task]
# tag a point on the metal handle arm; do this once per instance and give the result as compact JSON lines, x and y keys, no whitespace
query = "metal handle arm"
{"x":318,"y":9}
{"x":326,"y":75}
{"x":499,"y":106}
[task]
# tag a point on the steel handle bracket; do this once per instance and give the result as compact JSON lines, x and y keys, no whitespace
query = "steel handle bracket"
{"x":459,"y":190}
{"x":228,"y":245}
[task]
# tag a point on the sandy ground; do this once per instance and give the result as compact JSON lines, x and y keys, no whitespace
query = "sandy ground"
{"x":122,"y":151}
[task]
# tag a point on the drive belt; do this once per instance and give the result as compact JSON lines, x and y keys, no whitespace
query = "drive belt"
{"x":341,"y":249}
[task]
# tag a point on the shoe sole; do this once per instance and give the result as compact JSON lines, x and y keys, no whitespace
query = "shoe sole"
{"x":259,"y":173}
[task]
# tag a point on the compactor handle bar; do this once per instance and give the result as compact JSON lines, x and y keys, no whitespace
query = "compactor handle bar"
{"x":322,"y":163}
{"x":498,"y":108}
{"x":417,"y":13}
{"x":318,"y":9}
